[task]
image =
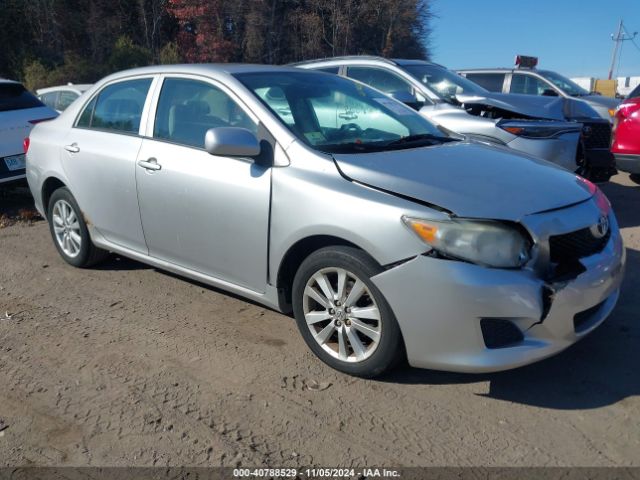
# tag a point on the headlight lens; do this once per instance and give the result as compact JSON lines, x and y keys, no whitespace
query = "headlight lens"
{"x":487,"y":243}
{"x":538,"y":128}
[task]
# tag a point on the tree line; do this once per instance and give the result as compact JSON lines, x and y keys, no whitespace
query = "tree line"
{"x":49,"y":42}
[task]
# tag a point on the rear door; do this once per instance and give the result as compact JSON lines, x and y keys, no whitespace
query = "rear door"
{"x":206,"y":213}
{"x":100,"y":160}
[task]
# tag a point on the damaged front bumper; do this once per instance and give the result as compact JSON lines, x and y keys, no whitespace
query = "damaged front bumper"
{"x":446,"y":309}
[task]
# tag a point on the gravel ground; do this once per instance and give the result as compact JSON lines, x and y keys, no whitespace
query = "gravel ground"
{"x":128,"y":365}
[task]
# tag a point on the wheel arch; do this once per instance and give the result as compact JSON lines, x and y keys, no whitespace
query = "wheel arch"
{"x":50,"y":185}
{"x":295,"y":255}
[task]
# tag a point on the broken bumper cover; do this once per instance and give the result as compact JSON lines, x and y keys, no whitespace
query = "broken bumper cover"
{"x":560,"y":150}
{"x":439,"y":305}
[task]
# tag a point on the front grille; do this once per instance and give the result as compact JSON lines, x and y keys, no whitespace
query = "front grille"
{"x":499,"y":333}
{"x":579,"y":244}
{"x":596,"y":134}
{"x":581,"y":319}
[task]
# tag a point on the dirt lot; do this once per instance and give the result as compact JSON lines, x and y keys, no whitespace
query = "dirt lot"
{"x":127,"y":365}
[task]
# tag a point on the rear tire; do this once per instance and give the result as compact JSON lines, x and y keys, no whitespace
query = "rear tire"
{"x":342,"y":316}
{"x":69,"y":231}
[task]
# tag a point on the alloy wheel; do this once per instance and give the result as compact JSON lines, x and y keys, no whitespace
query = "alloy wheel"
{"x":66,"y":228}
{"x":342,"y":314}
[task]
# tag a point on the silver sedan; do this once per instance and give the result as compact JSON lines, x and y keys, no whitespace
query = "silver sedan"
{"x":316,"y":195}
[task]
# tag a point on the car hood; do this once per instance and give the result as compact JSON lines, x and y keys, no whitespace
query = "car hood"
{"x":533,"y":106}
{"x":607,"y":102}
{"x":468,"y":179}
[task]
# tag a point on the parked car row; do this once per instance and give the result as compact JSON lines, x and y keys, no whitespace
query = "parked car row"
{"x":386,"y":234}
{"x":564,"y":131}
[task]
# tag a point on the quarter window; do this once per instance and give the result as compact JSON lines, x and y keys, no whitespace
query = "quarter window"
{"x":379,"y":79}
{"x":188,"y":108}
{"x":118,"y":107}
{"x":333,"y":70}
{"x":491,"y":81}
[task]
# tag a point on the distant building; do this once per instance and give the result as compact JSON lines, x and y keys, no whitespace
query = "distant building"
{"x":624,"y":85}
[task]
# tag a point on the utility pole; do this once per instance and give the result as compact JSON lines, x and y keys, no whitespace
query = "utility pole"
{"x":618,"y":38}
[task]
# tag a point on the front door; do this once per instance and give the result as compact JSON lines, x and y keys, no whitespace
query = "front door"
{"x":206,"y":213}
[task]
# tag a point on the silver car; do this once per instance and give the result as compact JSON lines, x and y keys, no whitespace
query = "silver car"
{"x":60,"y":97}
{"x":531,"y":81}
{"x":549,"y":128}
{"x":310,"y":193}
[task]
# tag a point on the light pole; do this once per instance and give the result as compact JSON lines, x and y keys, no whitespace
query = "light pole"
{"x":618,"y":38}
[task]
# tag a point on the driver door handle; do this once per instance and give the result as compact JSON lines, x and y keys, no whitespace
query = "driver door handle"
{"x":73,"y":148}
{"x":151,"y":164}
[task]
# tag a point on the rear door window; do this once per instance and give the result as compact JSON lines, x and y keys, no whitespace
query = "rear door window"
{"x":528,"y":84}
{"x":118,"y":107}
{"x":493,"y":82}
{"x":65,"y":99}
{"x":13,"y":96}
{"x":50,"y":99}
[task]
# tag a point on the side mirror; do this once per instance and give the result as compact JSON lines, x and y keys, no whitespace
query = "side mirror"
{"x":549,"y":93}
{"x":231,"y":142}
{"x":406,"y":98}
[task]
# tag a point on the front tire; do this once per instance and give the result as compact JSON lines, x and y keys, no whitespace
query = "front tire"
{"x":341,"y":314}
{"x":69,"y":231}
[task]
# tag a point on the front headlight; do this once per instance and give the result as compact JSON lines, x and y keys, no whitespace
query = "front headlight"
{"x":538,"y":128}
{"x":487,"y":243}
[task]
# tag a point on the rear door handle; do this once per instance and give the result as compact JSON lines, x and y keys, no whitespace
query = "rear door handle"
{"x":73,"y":148}
{"x":151,"y":164}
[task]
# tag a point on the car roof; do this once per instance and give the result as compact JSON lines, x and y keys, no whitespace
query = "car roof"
{"x":204,"y":69}
{"x":498,"y":70}
{"x":80,"y":87}
{"x":6,"y":80}
{"x":401,"y":62}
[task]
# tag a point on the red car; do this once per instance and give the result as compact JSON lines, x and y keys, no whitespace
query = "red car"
{"x":626,"y":135}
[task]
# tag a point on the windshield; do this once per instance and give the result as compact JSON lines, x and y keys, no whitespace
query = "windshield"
{"x":443,"y":82}
{"x":564,"y":84}
{"x":335,"y":115}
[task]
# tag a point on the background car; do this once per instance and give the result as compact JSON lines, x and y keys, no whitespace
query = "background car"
{"x":530,"y":81}
{"x":538,"y":126}
{"x":60,"y":97}
{"x":320,"y":196}
{"x":626,"y":135}
{"x":19,"y":112}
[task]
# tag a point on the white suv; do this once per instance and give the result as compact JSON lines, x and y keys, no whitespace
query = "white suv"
{"x":19,"y":112}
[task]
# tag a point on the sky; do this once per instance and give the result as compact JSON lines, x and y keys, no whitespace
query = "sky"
{"x":572,"y":37}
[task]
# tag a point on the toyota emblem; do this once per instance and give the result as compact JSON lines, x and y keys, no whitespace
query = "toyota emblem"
{"x":600,"y":229}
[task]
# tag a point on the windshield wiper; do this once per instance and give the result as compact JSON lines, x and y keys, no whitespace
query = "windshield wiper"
{"x":420,"y":138}
{"x":351,"y":147}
